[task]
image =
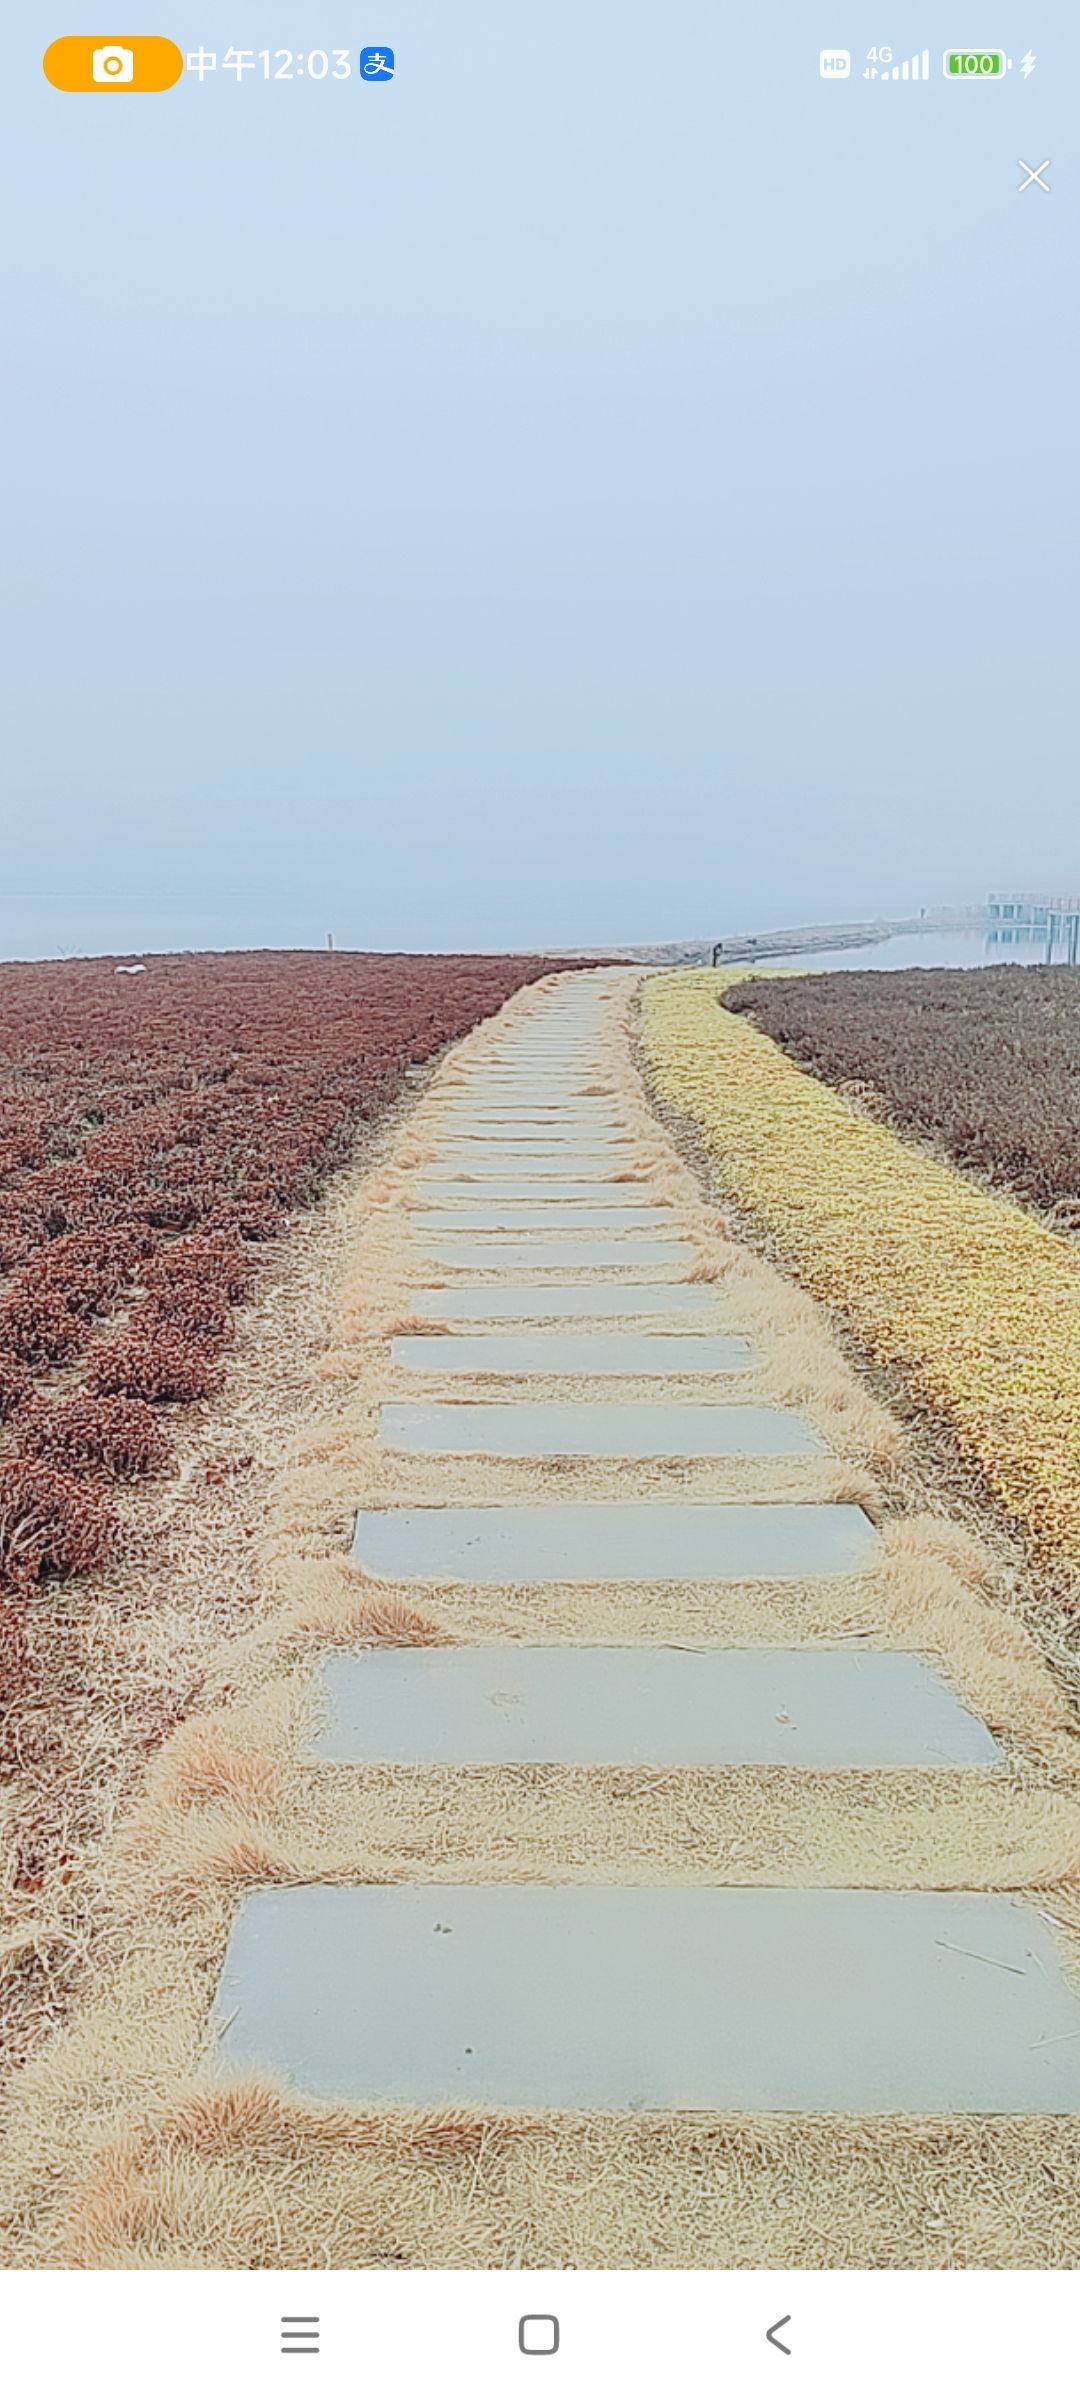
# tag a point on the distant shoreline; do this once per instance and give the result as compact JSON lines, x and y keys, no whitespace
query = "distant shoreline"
{"x":735,"y":949}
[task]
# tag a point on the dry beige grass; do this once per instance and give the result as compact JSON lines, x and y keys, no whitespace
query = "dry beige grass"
{"x":125,"y":2147}
{"x":213,"y":2181}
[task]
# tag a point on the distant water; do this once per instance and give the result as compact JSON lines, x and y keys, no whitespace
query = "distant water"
{"x":41,"y":927}
{"x":91,"y":928}
{"x":921,"y":950}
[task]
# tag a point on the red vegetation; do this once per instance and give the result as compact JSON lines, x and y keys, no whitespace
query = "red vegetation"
{"x":120,"y":1437}
{"x":15,"y":1386}
{"x":50,"y":1523}
{"x":37,"y":1328}
{"x":201,"y":1260}
{"x":978,"y":1061}
{"x":155,"y":1362}
{"x":154,"y":1131}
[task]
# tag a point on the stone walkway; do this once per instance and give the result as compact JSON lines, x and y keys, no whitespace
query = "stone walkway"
{"x":638,"y":1995}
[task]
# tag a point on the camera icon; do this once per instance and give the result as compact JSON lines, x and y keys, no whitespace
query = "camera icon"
{"x":113,"y":64}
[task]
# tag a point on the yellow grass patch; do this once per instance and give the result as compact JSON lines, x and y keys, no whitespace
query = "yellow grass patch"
{"x":976,"y":1301}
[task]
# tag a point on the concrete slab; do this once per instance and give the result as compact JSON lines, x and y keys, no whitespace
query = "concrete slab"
{"x":594,"y":1429}
{"x":616,"y":1542}
{"x":507,"y":1187}
{"x":485,"y":1102}
{"x":517,"y":1216}
{"x":539,"y":1160}
{"x":555,"y":1134}
{"x":532,"y":1302}
{"x":555,"y":1153}
{"x":608,"y":1354}
{"x":582,"y":1082}
{"x":513,"y":1705}
{"x":584,"y":1997}
{"x":504,"y":1122}
{"x":570,"y":1250}
{"x":533,"y":1100}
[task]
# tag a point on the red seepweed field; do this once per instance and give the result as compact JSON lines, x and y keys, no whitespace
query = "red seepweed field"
{"x":156,"y":1128}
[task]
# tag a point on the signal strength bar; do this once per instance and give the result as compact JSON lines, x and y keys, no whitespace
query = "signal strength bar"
{"x":913,"y":70}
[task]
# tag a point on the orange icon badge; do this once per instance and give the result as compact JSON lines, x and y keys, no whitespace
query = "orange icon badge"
{"x":117,"y":62}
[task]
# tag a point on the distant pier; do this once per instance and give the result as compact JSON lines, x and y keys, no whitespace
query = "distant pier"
{"x":1036,"y":916}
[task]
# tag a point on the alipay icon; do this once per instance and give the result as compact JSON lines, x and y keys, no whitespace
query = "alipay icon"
{"x":376,"y":66}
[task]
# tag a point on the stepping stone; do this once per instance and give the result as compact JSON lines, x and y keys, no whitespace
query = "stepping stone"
{"x":502,"y":1123}
{"x":572,"y":1353}
{"x":514,"y":1083}
{"x":549,"y":1111}
{"x":594,"y":1429}
{"x":518,"y":1216}
{"x":526,"y":1187}
{"x":635,"y":1250}
{"x":559,"y":1134}
{"x":585,"y":1997}
{"x":616,"y":1542}
{"x":646,"y":1707}
{"x":532,"y":1092}
{"x":486,"y":1161}
{"x":535,"y":1301}
{"x":558,"y":1155}
{"x":555,"y":1135}
{"x":506,"y":1099}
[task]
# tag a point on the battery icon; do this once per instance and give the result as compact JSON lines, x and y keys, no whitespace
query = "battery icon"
{"x":970,"y":66}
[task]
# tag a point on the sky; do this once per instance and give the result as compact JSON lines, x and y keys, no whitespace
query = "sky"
{"x":607,"y":485}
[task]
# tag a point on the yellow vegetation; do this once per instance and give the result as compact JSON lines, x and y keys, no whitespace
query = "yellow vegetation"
{"x":973,"y":1298}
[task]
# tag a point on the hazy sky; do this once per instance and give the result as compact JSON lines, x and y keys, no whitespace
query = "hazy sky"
{"x":607,"y":485}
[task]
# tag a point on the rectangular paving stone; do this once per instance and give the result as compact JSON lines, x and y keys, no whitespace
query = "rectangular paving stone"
{"x":570,"y":1250}
{"x":532,"y":1099}
{"x":558,"y":1143}
{"x":542,"y":1098}
{"x":512,"y":1705}
{"x":515,"y":1187}
{"x":486,"y":1103}
{"x":582,"y":1086}
{"x":553,"y":1134}
{"x":535,"y":1301}
{"x":616,"y":1542}
{"x":496,"y":1160}
{"x":504,"y":1121}
{"x":539,"y":1086}
{"x":595,"y":1429}
{"x":603,"y":1997}
{"x":519,"y":1216}
{"x":608,"y":1354}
